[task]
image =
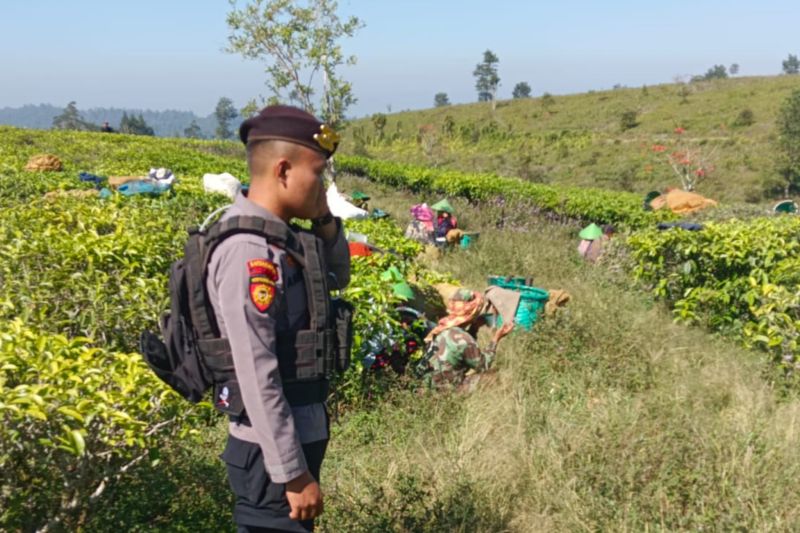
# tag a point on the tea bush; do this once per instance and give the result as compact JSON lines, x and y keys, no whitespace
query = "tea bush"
{"x":596,"y":205}
{"x":80,"y":278}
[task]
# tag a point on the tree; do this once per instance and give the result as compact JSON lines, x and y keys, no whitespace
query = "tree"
{"x":193,"y":131}
{"x":441,"y":100}
{"x":297,"y":41}
{"x":379,"y":121}
{"x":791,"y":65}
{"x":134,"y":125}
{"x":788,"y":123}
{"x":692,"y":163}
{"x":486,"y":78}
{"x":71,"y":119}
{"x":224,"y":113}
{"x":717,"y":72}
{"x":250,"y":109}
{"x":521,"y":90}
{"x":733,"y":70}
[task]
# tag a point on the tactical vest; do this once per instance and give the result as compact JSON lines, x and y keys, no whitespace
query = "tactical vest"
{"x":196,"y":357}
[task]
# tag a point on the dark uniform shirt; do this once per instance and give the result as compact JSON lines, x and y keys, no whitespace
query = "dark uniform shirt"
{"x":252,"y":330}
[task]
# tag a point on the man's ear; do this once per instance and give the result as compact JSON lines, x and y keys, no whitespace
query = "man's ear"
{"x":282,"y":168}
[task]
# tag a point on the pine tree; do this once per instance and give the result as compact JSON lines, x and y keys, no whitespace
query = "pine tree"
{"x":71,"y":119}
{"x":224,"y":113}
{"x":486,"y":79}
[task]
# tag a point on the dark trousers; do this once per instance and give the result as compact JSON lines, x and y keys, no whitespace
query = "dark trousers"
{"x":261,"y":505}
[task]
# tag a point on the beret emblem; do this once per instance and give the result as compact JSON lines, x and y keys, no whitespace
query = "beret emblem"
{"x":327,"y":138}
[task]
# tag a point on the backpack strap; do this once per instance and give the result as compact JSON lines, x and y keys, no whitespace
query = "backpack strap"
{"x":275,"y":232}
{"x":201,"y":250}
{"x":319,"y":310}
{"x":316,"y":286}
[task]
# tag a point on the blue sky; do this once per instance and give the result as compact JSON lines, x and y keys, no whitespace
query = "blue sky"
{"x":168,"y":54}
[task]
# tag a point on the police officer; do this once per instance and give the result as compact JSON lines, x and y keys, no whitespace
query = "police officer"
{"x":259,"y":296}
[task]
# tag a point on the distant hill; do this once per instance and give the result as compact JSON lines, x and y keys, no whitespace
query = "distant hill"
{"x":580,"y":139}
{"x":168,"y":123}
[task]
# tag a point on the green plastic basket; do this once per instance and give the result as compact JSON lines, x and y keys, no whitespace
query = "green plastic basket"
{"x":531,"y":303}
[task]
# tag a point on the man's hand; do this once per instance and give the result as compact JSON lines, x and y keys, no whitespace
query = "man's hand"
{"x":305,"y":497}
{"x":321,"y":206}
{"x":504,"y":330}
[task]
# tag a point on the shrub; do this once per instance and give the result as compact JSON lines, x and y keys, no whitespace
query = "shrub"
{"x":73,"y":416}
{"x":745,"y":118}
{"x":627,"y":120}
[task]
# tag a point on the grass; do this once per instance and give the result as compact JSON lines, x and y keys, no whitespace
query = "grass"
{"x":607,"y":417}
{"x":579,"y":139}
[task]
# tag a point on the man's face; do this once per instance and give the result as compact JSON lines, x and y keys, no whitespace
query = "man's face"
{"x":305,"y":186}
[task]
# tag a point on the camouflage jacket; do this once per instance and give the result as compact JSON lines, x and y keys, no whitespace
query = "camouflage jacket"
{"x":451,"y":355}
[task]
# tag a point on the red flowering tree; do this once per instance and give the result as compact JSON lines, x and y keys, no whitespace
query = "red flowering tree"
{"x":692,"y":164}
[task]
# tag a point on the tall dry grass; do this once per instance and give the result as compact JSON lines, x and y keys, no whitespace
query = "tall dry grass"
{"x":608,"y":417}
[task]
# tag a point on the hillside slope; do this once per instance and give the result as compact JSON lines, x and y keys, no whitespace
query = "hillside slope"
{"x":607,"y":417}
{"x":578,"y":139}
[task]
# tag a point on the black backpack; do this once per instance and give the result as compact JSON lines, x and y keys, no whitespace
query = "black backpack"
{"x":192,"y":357}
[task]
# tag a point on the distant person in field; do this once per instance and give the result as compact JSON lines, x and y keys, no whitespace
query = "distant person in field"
{"x":593,"y":240}
{"x":445,"y":218}
{"x":106,"y":128}
{"x":453,"y":358}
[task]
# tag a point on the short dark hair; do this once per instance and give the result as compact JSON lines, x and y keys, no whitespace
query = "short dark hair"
{"x":261,"y":150}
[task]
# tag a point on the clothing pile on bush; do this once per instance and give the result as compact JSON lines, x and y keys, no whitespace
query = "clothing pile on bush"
{"x":158,"y":181}
{"x":678,"y":201}
{"x":44,"y":163}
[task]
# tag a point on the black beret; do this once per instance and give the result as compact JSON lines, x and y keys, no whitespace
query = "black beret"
{"x":291,"y":124}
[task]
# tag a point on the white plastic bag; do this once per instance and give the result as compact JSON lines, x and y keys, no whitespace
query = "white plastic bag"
{"x":340,"y":207}
{"x":222,"y":183}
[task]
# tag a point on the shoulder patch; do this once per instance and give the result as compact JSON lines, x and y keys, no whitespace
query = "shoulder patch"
{"x":262,"y":267}
{"x":263,"y":275}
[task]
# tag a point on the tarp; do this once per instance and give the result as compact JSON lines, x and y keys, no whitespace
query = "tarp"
{"x":682,"y":202}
